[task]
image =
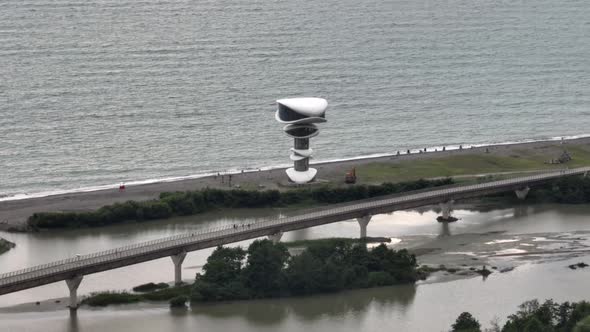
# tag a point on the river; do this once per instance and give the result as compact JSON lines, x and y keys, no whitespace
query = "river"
{"x":428,"y":306}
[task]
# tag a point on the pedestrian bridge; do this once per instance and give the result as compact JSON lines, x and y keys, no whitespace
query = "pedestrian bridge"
{"x":73,"y":269}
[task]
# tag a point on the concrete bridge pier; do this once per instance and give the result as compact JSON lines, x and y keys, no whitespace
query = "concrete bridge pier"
{"x":522,"y":193}
{"x":446,"y":208}
{"x":177,"y":260}
{"x":276,"y":237}
{"x":363,"y":222}
{"x":73,"y":287}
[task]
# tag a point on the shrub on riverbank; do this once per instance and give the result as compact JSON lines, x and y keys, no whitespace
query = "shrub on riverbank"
{"x":179,"y":301}
{"x":270,"y":271}
{"x":192,"y":202}
{"x":105,"y":298}
{"x":111,"y":297}
{"x":534,"y":316}
{"x":5,"y":245}
{"x":149,"y":287}
{"x":321,"y":268}
{"x":569,"y":190}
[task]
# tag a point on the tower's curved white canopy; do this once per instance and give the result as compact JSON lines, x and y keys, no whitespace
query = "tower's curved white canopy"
{"x":308,"y":106}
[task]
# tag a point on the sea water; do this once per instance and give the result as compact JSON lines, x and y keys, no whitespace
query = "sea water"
{"x":97,"y":92}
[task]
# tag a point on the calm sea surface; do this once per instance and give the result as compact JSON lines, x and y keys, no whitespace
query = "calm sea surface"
{"x":96,"y":92}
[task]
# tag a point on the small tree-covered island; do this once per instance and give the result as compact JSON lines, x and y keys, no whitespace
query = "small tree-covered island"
{"x":270,"y":271}
{"x":267,"y":270}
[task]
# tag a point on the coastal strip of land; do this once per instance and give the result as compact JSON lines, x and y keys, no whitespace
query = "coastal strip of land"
{"x":499,"y":160}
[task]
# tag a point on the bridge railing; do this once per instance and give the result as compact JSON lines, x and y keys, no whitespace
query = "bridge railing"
{"x":220,"y":231}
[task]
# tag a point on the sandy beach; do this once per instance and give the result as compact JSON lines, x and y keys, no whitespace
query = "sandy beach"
{"x":14,"y":213}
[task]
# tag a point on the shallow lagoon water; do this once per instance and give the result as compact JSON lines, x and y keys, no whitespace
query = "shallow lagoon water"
{"x":402,"y":307}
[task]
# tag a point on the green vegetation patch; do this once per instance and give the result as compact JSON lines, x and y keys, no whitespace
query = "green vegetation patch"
{"x":267,"y":270}
{"x":323,"y":267}
{"x":179,"y":301}
{"x":149,"y":287}
{"x":5,"y":245}
{"x":194,"y":202}
{"x":533,"y":316}
{"x":102,"y":299}
{"x":452,"y":166}
{"x":570,"y":190}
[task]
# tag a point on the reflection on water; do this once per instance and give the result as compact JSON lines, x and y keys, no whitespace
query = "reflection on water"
{"x":445,"y":229}
{"x":521,"y":211}
{"x":312,"y":308}
{"x":73,"y":321}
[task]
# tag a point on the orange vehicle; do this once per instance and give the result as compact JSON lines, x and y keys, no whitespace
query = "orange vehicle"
{"x":350,"y":177}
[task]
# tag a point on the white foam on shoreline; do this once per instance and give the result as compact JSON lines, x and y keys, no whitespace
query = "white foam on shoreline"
{"x":22,"y":196}
{"x":503,"y":241}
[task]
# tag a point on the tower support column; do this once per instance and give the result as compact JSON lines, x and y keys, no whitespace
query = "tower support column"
{"x":522,"y":193}
{"x":276,"y":237}
{"x":363,"y":223}
{"x":177,"y":260}
{"x":73,"y":284}
{"x":446,"y":208}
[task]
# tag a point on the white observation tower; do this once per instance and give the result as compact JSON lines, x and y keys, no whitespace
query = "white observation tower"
{"x":299,"y":116}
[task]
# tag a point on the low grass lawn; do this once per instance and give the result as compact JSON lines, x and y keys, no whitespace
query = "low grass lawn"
{"x":464,"y":165}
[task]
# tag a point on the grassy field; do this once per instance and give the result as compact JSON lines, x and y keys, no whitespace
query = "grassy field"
{"x":462,"y":165}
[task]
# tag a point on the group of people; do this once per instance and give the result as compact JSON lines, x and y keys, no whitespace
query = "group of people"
{"x":242,"y":225}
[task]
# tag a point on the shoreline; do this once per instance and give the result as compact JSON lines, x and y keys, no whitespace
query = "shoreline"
{"x":361,"y":158}
{"x":13,"y":213}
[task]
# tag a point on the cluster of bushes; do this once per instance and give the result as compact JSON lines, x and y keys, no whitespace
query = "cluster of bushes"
{"x":105,"y":298}
{"x":568,"y":190}
{"x":5,"y":245}
{"x":193,"y":202}
{"x":269,"y":270}
{"x":149,"y":287}
{"x":533,"y":316}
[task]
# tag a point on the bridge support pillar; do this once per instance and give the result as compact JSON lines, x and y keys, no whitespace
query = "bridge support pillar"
{"x":177,"y":260}
{"x":73,"y":287}
{"x":522,"y":193}
{"x":363,"y":222}
{"x":276,"y":237}
{"x":446,"y":208}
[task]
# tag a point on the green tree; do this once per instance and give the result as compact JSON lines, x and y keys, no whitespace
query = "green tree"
{"x":535,"y":325}
{"x":302,"y":274}
{"x":264,"y":271}
{"x":583,"y":325}
{"x":466,"y":323}
{"x":224,"y":265}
